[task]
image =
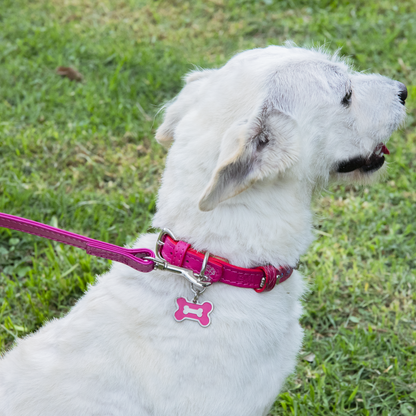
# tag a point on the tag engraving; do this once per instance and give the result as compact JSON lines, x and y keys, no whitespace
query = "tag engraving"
{"x":193,"y":311}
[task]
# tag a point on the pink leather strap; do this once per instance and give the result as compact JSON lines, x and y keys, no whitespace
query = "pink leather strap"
{"x":179,"y":252}
{"x":270,"y":274}
{"x":130,"y":257}
{"x":217,"y":270}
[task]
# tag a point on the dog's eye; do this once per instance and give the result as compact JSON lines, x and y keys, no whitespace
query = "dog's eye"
{"x":346,"y":101}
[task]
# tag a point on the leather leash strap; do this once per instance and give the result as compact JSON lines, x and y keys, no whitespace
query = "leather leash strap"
{"x":130,"y":257}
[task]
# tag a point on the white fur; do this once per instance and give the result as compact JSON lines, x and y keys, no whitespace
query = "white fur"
{"x":251,"y":142}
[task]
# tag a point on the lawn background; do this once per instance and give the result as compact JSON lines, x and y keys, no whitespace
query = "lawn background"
{"x":81,"y":156}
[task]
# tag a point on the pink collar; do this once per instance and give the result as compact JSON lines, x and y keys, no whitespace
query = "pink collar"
{"x":263,"y":278}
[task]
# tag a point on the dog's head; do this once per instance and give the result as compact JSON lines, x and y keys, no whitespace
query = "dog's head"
{"x":280,"y":112}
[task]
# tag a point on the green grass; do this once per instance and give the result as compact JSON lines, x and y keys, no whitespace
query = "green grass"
{"x":82,"y":156}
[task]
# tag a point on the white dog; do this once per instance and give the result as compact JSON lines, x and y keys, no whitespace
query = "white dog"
{"x":251,"y":142}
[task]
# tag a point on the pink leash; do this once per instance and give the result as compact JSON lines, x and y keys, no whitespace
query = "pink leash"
{"x":130,"y":257}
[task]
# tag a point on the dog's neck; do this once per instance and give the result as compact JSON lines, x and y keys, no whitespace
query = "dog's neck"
{"x":269,"y":223}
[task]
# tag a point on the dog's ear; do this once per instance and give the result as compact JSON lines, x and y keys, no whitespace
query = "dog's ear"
{"x":250,"y":151}
{"x":176,"y":109}
{"x":165,"y":132}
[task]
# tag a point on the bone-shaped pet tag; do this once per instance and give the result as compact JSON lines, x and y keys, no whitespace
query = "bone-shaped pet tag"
{"x":193,"y":311}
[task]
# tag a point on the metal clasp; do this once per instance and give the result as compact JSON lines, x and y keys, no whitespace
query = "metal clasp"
{"x":197,"y":280}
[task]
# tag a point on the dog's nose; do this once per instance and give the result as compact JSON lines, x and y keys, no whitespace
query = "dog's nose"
{"x":402,"y":92}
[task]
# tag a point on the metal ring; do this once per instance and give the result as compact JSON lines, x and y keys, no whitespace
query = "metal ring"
{"x":160,"y":241}
{"x":197,"y":291}
{"x":204,"y":266}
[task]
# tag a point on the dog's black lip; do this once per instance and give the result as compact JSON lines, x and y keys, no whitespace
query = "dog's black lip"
{"x":370,"y":164}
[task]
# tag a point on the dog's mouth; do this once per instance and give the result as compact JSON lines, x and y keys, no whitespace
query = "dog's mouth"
{"x":370,"y":164}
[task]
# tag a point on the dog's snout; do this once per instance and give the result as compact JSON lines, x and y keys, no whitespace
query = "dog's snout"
{"x":402,"y":92}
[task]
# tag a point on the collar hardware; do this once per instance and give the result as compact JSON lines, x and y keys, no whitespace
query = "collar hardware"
{"x":197,"y":280}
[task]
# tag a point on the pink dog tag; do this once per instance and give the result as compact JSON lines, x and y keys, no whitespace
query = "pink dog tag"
{"x":193,"y":311}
